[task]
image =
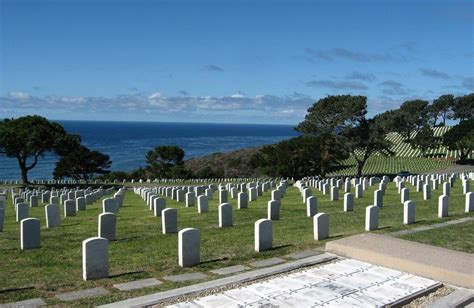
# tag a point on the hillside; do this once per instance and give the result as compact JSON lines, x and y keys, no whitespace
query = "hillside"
{"x":223,"y":165}
{"x":236,"y":163}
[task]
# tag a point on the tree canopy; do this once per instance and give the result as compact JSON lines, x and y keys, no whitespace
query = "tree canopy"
{"x":82,"y":163}
{"x":461,"y":138}
{"x":28,"y":138}
{"x":333,"y":114}
{"x":463,"y":108}
{"x":299,"y":157}
{"x":166,"y":161}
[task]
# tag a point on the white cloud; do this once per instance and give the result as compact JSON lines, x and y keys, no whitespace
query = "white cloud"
{"x":158,"y":103}
{"x":21,"y":96}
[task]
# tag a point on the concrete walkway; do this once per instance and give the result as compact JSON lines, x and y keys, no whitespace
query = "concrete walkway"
{"x":445,"y":265}
{"x":345,"y":283}
{"x":248,"y":276}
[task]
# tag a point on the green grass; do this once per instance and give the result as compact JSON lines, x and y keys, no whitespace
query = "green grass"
{"x":456,"y":237}
{"x":392,"y":165}
{"x":141,"y":251}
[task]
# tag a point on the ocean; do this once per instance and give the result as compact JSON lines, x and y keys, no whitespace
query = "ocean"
{"x":128,"y":142}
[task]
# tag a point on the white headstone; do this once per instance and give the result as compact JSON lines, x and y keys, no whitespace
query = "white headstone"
{"x":80,"y":204}
{"x":242,"y":200}
{"x":446,"y":189}
{"x":30,"y":233}
{"x":190,"y":199}
{"x":225,"y":215}
{"x":273,"y":210}
{"x":348,"y":202}
{"x":321,"y":226}
{"x":169,"y":221}
{"x":52,"y":215}
{"x":69,"y":208}
{"x":358,"y":191}
{"x":109,"y":205}
{"x":409,"y":211}
{"x":21,"y":211}
{"x":311,"y":206}
{"x":371,"y":218}
{"x":378,"y":198}
{"x":159,"y":204}
{"x":404,"y":195}
{"x":443,"y":202}
{"x":426,"y":192}
{"x":469,"y":207}
{"x":107,"y":226}
{"x":263,"y":235}
{"x":189,"y":247}
{"x":95,"y":258}
{"x":222,"y":196}
{"x":33,"y":201}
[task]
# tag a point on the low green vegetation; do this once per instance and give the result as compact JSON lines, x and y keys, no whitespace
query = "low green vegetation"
{"x":391,"y":165}
{"x":456,"y":237}
{"x":141,"y":250}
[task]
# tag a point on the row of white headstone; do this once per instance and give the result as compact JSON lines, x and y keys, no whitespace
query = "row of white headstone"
{"x":30,"y":229}
{"x":372,"y":212}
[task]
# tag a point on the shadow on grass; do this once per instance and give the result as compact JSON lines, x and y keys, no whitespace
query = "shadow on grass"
{"x":70,"y":225}
{"x":282,"y":246}
{"x":214,"y":260}
{"x":126,"y":239}
{"x":16,"y":289}
{"x":126,"y":274}
{"x":421,"y":221}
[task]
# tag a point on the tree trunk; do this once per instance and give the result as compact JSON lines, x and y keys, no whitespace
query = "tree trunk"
{"x":24,"y":170}
{"x":360,"y":166}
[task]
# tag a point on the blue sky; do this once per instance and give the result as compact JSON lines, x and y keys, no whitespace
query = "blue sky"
{"x":227,"y":61}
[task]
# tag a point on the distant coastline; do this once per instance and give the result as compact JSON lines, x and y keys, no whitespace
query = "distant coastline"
{"x":128,"y":142}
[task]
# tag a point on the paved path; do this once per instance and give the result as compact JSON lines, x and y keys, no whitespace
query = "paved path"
{"x":441,"y":264}
{"x":434,"y":226}
{"x":343,"y":283}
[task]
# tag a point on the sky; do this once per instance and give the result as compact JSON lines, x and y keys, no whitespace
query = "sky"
{"x":227,"y":61}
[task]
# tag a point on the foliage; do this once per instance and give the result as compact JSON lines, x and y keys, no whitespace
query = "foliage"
{"x":424,"y":140}
{"x":28,"y":138}
{"x":463,"y":108}
{"x":299,"y":157}
{"x":333,"y":114}
{"x":365,"y":140}
{"x":461,"y":138}
{"x":82,"y":163}
{"x":411,"y":116}
{"x":165,"y":161}
{"x":441,"y":107}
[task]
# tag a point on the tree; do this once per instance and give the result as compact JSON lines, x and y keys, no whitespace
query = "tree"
{"x":441,"y":107}
{"x":298,"y":157}
{"x":333,"y":114}
{"x":328,"y":119}
{"x":424,"y":140}
{"x":28,"y":138}
{"x":162,"y":159}
{"x":461,"y":138}
{"x":411,"y":116}
{"x":463,"y":107}
{"x":82,"y":163}
{"x":366,"y":139}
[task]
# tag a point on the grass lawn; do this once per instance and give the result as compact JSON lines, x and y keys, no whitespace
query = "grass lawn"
{"x":392,"y":165}
{"x":141,"y":251}
{"x":455,"y":237}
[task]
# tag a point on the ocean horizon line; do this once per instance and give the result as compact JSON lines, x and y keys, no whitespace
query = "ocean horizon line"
{"x":170,"y":122}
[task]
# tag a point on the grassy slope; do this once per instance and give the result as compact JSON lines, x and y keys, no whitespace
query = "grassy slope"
{"x":142,"y":251}
{"x":456,"y":237}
